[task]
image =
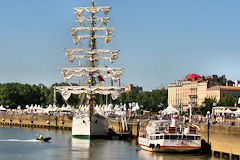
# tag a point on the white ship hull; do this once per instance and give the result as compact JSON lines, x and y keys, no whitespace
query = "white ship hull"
{"x":169,"y":145}
{"x":82,"y":127}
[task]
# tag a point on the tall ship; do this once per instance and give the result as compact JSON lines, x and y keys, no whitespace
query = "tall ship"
{"x":93,"y":75}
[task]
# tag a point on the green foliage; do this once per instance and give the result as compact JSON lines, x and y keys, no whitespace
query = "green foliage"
{"x":208,"y":105}
{"x":150,"y":100}
{"x":14,"y":94}
{"x":227,"y":101}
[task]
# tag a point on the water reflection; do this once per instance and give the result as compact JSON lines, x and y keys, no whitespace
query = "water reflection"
{"x":80,"y":148}
{"x":169,"y":156}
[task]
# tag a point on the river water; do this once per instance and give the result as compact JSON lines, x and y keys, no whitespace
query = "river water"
{"x":20,"y":144}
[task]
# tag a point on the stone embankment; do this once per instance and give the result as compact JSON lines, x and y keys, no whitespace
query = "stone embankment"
{"x":224,"y":140}
{"x":133,"y":125}
{"x":39,"y":121}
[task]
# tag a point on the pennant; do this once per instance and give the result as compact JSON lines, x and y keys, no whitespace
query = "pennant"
{"x":100,"y":78}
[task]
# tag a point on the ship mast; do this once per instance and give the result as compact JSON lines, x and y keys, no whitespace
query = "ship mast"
{"x":92,"y":47}
{"x":96,"y":74}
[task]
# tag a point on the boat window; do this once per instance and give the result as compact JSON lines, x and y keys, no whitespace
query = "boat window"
{"x":190,"y":137}
{"x":180,"y":137}
{"x":184,"y":137}
{"x":157,"y":137}
{"x":173,"y":136}
{"x":161,"y":137}
{"x":197,"y":137}
{"x":152,"y":137}
{"x":166,"y":136}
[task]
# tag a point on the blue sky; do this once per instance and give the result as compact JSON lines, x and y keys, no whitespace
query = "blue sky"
{"x":160,"y":40}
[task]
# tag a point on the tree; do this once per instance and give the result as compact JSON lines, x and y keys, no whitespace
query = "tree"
{"x":150,"y":100}
{"x":227,"y":101}
{"x":207,"y":105}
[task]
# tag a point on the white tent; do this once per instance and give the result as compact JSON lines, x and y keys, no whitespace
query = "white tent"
{"x":19,"y":107}
{"x":31,"y":107}
{"x":136,"y":107}
{"x":63,"y":108}
{"x":237,"y":111}
{"x":69,"y":108}
{"x":51,"y":108}
{"x":2,"y":108}
{"x":109,"y":108}
{"x":228,"y":111}
{"x":170,"y":110}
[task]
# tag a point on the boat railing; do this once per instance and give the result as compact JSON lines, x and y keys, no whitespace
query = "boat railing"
{"x":167,"y":136}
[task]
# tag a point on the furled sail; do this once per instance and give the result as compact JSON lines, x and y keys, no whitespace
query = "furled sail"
{"x":111,"y":58}
{"x":80,"y":10}
{"x":77,"y":38}
{"x":114,"y":73}
{"x":74,"y":30}
{"x":114,"y":54}
{"x":66,"y":91}
{"x":104,"y":20}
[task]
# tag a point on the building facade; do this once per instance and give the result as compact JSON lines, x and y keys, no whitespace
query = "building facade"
{"x":131,"y":87}
{"x":193,"y":89}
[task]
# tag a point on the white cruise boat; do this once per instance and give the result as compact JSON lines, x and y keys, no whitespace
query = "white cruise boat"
{"x":166,"y":136}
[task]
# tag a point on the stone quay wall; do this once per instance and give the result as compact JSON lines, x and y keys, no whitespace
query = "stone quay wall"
{"x":133,"y":125}
{"x":44,"y":121}
{"x":224,"y":140}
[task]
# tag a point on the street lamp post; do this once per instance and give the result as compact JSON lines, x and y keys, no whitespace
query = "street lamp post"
{"x":203,"y":106}
{"x":208,"y":119}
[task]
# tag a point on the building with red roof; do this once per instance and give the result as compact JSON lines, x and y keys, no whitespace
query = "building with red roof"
{"x":193,"y":76}
{"x":193,"y":89}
